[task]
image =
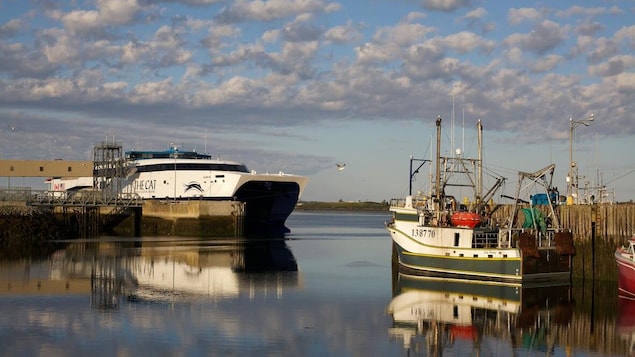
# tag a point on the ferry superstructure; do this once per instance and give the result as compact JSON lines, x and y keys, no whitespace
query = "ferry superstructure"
{"x":176,"y":174}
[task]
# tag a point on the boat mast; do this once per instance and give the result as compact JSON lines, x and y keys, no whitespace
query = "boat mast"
{"x":438,"y":169}
{"x":479,"y":185}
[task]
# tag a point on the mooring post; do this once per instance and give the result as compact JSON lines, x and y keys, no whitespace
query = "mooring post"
{"x":137,"y":213}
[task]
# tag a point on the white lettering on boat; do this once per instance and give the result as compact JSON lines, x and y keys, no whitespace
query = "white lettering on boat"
{"x":144,"y":185}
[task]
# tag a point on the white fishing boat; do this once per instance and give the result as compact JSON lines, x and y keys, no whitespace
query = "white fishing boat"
{"x":175,"y":174}
{"x":435,"y":234}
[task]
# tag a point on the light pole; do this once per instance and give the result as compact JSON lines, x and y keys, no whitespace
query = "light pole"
{"x":572,"y":181}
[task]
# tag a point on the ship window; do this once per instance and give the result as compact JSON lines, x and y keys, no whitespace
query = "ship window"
{"x":11,"y":169}
{"x":70,"y":169}
{"x":192,"y":167}
{"x":456,"y":239}
{"x":41,"y":168}
{"x":455,"y":311}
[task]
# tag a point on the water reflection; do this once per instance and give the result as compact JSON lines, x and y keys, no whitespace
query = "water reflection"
{"x":437,"y":316}
{"x":626,"y":321}
{"x":157,"y":270}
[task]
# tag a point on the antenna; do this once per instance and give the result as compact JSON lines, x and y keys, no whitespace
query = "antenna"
{"x":452,"y":131}
{"x":463,"y":128}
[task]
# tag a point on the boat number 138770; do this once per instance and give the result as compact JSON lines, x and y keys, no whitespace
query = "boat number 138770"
{"x":423,"y":232}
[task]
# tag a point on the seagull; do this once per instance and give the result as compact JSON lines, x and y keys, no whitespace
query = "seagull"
{"x":12,"y":127}
{"x":340,"y":167}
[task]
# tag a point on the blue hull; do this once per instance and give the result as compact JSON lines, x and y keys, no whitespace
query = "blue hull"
{"x":267,"y":206}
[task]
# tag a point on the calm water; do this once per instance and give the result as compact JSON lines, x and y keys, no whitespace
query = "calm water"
{"x":326,"y":290}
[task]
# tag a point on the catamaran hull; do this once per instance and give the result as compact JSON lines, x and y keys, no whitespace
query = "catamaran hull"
{"x":267,"y":206}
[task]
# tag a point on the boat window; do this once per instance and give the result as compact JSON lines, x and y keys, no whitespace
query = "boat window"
{"x":192,"y":167}
{"x":456,"y":239}
{"x":136,"y":155}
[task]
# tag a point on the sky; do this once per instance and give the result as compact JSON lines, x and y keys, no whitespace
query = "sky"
{"x":300,"y":85}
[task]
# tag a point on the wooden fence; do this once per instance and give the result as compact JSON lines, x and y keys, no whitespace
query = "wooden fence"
{"x":612,"y":221}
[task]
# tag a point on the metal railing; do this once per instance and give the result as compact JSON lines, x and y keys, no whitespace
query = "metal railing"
{"x":87,"y":198}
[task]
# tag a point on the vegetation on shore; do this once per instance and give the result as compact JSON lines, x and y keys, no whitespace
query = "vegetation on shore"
{"x":342,"y":206}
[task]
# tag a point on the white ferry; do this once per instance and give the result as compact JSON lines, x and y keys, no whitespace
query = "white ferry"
{"x":175,"y":174}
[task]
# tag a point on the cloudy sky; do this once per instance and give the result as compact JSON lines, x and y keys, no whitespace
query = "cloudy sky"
{"x":300,"y":85}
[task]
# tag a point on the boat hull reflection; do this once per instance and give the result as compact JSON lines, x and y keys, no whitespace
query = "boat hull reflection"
{"x":435,"y":315}
{"x":626,"y":321}
{"x":158,"y":271}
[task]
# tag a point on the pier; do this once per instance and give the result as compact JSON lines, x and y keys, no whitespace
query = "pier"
{"x":104,"y":208}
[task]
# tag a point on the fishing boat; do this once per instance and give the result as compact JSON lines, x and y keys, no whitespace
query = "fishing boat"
{"x":436,"y":316}
{"x":436,"y":234}
{"x":176,"y":174}
{"x":625,"y":260}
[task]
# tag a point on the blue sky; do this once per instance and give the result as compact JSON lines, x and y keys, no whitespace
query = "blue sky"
{"x":300,"y":85}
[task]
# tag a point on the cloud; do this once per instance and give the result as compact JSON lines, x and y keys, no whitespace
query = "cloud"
{"x":517,"y":16}
{"x":476,"y":14}
{"x":107,"y":13}
{"x":293,"y":65}
{"x":613,"y":66}
{"x":601,"y":49}
{"x":546,"y":63}
{"x":155,"y":92}
{"x":445,"y":5}
{"x":272,"y":10}
{"x":626,"y":34}
{"x":299,"y":31}
{"x":11,"y":28}
{"x":218,"y":33}
{"x":19,"y":61}
{"x":464,"y":42}
{"x":626,"y":83}
{"x":544,"y":37}
{"x":343,"y":34}
{"x":588,"y":11}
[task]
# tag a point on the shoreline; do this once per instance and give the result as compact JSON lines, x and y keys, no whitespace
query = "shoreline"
{"x":342,"y":206}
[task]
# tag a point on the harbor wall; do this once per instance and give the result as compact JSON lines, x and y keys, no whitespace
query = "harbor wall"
{"x":155,"y":218}
{"x":186,"y":218}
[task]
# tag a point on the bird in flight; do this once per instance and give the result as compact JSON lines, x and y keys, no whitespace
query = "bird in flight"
{"x":340,"y":167}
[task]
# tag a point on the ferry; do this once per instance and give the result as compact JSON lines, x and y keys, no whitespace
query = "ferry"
{"x":176,"y":174}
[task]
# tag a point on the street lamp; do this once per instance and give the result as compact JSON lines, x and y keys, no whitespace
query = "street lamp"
{"x":572,"y":181}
